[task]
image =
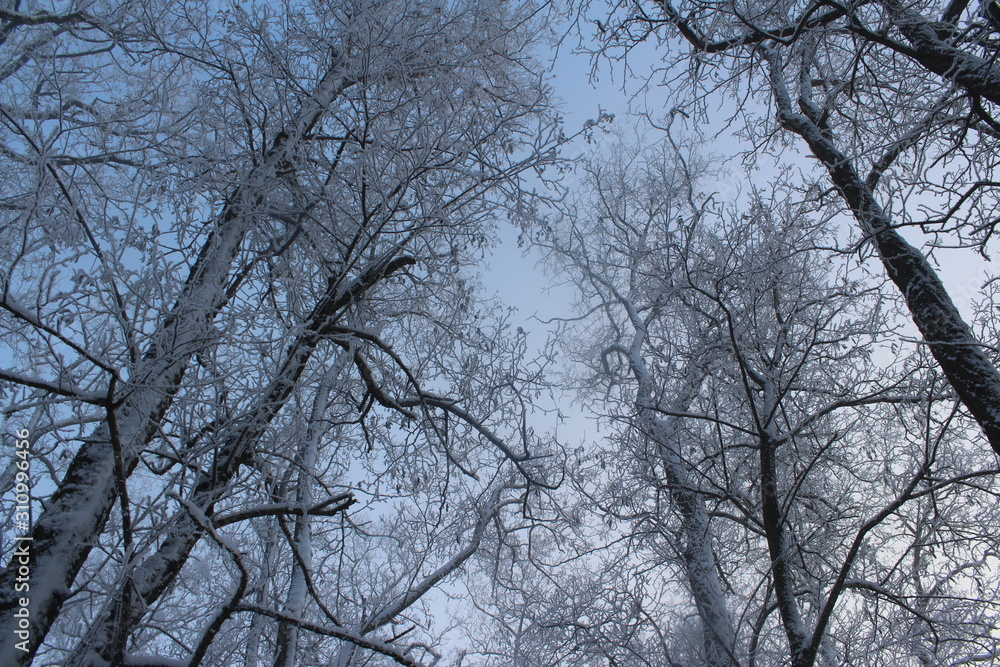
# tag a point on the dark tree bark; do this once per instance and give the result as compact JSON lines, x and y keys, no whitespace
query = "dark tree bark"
{"x":961,"y":357}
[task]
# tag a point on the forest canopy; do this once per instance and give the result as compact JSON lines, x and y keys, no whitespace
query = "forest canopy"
{"x":260,"y":410}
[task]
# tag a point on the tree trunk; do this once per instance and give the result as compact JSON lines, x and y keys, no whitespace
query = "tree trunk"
{"x":961,"y":357}
{"x":700,"y":566}
{"x":156,"y":573}
{"x":64,"y":534}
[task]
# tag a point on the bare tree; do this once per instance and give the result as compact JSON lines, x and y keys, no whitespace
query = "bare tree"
{"x":235,"y":245}
{"x":760,"y":423}
{"x":898,"y":104}
{"x":618,"y":248}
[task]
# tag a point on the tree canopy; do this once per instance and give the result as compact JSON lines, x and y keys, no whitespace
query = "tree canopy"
{"x":261,"y":411}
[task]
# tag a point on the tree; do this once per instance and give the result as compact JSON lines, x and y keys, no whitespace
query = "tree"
{"x":628,"y":223}
{"x":904,"y":92}
{"x":236,"y":244}
{"x":761,"y":423}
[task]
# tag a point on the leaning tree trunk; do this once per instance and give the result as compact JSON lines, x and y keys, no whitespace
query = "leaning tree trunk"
{"x":150,"y":579}
{"x":961,"y":357}
{"x":718,"y":638}
{"x":75,"y":516}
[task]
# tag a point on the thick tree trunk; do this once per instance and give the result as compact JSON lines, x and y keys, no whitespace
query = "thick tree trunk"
{"x":961,"y":357}
{"x":699,"y":558}
{"x":64,"y":534}
{"x":978,"y":75}
{"x":700,"y":565}
{"x":156,"y":573}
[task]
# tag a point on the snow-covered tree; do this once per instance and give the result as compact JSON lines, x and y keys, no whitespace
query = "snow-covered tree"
{"x":898,"y":103}
{"x":268,"y":411}
{"x":772,"y":464}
